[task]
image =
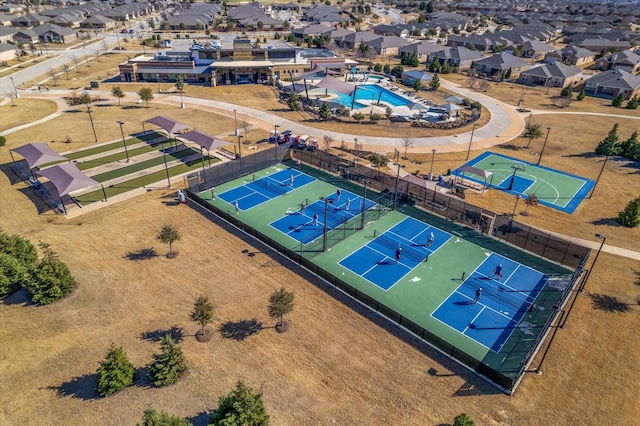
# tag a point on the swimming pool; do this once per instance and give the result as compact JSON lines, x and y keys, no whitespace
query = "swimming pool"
{"x":371,"y":92}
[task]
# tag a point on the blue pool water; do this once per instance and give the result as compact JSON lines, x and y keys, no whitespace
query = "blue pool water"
{"x":369,"y":92}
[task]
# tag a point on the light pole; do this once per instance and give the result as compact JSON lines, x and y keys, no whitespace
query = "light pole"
{"x":471,"y":140}
{"x":433,"y":156}
{"x":275,"y":140}
{"x":92,"y":126}
{"x":543,"y":145}
{"x":364,"y":204}
{"x":166,"y":167}
{"x":239,"y":148}
{"x":202,"y":156}
{"x":513,"y":215}
{"x":544,"y":355}
{"x":599,"y":174}
{"x":235,"y":120}
{"x":14,"y":88}
{"x":327,"y":201}
{"x":355,"y":150}
{"x":126,"y":152}
{"x":158,"y":78}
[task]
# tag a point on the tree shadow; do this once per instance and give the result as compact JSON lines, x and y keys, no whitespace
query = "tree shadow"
{"x":81,"y":387}
{"x":142,"y":254}
{"x":176,"y":333}
{"x":200,"y":419}
{"x":141,"y":378}
{"x":240,"y":330}
{"x":610,"y":304}
{"x":511,"y":147}
{"x":585,"y":155}
{"x":609,"y":221}
{"x":20,"y":297}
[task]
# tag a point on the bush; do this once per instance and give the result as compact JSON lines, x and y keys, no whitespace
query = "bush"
{"x":20,"y":248}
{"x":630,"y":216}
{"x":160,"y":418}
{"x":3,"y":141}
{"x":12,"y":274}
{"x":115,"y":372}
{"x":240,"y":407}
{"x":463,"y":420}
{"x":50,"y":279}
{"x":169,"y":365}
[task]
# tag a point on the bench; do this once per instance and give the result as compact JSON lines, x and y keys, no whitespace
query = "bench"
{"x":226,"y":153}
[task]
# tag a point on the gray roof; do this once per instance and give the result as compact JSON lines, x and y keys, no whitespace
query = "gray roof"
{"x":6,"y":47}
{"x":557,"y":69}
{"x":5,"y":31}
{"x":626,"y":56}
{"x":616,"y":78}
{"x":53,"y":28}
{"x":502,"y":61}
{"x":576,"y":52}
{"x":418,"y":75}
{"x":98,"y":19}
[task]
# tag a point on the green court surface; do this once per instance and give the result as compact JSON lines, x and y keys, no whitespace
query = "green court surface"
{"x":76,"y":155}
{"x":418,"y":294}
{"x":560,"y":190}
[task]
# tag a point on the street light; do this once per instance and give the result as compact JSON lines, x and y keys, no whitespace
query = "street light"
{"x":364,"y":204}
{"x":158,"y":78}
{"x":471,"y":140}
{"x":355,"y":149}
{"x":513,"y":215}
{"x":599,"y":174}
{"x":275,"y":140}
{"x":327,"y":201}
{"x":235,"y":119}
{"x":14,"y":88}
{"x":126,"y":152}
{"x":166,"y":167}
{"x":92,"y":126}
{"x":543,"y":145}
{"x":239,"y":147}
{"x":433,"y":156}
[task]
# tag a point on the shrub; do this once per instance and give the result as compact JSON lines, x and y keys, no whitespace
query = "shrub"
{"x":3,"y":141}
{"x":463,"y":420}
{"x":630,"y":216}
{"x":240,"y":407}
{"x":20,"y":248}
{"x":12,"y":274}
{"x":169,"y":365}
{"x":160,"y":418}
{"x":115,"y":372}
{"x":50,"y":279}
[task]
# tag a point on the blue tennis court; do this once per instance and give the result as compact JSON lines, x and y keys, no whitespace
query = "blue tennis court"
{"x":376,"y":261}
{"x":257,"y":191}
{"x":553,"y":188}
{"x":504,"y":300}
{"x":308,"y":225}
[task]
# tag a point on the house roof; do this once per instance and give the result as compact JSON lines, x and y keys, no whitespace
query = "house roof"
{"x":502,"y":61}
{"x":418,"y":75}
{"x":98,"y":19}
{"x":616,"y":79}
{"x":625,"y":57}
{"x":52,"y":28}
{"x":576,"y":52}
{"x":556,"y":69}
{"x":6,"y":47}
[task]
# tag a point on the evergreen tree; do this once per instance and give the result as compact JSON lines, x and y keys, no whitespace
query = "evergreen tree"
{"x":435,"y":82}
{"x":404,"y":59}
{"x":160,"y":418}
{"x":581,"y":95}
{"x":202,"y":313}
{"x":169,"y":235}
{"x":50,"y":279}
{"x":609,"y":145}
{"x":567,"y":91}
{"x":115,"y":372}
{"x":630,"y":148}
{"x":446,"y":68}
{"x":633,"y":103}
{"x":507,"y":75}
{"x":280,"y":304}
{"x":630,"y":216}
{"x":414,"y":61}
{"x":12,"y":274}
{"x":430,"y":7}
{"x":293,"y":101}
{"x":20,"y":248}
{"x":324,"y":112}
{"x":618,"y":100}
{"x":169,"y":365}
{"x":417,"y":85}
{"x":386,"y":68}
{"x":463,"y":420}
{"x":397,"y":70}
{"x":240,"y":407}
{"x":388,"y":112}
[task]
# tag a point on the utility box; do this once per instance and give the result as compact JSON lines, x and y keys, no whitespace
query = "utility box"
{"x":95,"y":84}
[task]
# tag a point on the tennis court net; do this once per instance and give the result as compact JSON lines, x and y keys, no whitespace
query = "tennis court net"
{"x":408,"y":248}
{"x":500,"y":293}
{"x":271,"y":186}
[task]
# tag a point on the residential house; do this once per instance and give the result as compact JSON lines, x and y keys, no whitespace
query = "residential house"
{"x":353,"y":41}
{"x":536,"y":50}
{"x":482,"y":43}
{"x":7,"y":52}
{"x":337,"y":35}
{"x":499,"y":65}
{"x":66,"y":20}
{"x":556,"y":74}
{"x":326,"y":15}
{"x":187,"y":22}
{"x":611,"y":83}
{"x":410,"y":77}
{"x":52,"y":33}
{"x":310,"y":30}
{"x":5,"y":20}
{"x":396,"y":30}
{"x":11,"y":8}
{"x":29,"y":20}
{"x":602,"y":45}
{"x":458,"y":57}
{"x":6,"y":33}
{"x":98,"y":22}
{"x":627,"y":60}
{"x":26,"y":37}
{"x":422,"y":49}
{"x":388,"y":45}
{"x":576,"y":55}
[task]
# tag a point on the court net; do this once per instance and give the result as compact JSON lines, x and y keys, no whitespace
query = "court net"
{"x":271,"y":186}
{"x":500,"y":293}
{"x":408,"y":248}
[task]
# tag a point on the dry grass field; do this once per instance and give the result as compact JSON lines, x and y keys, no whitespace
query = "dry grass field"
{"x":13,"y":116}
{"x":339,"y":364}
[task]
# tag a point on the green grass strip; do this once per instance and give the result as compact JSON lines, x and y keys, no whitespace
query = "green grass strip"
{"x":117,"y":157}
{"x":147,"y":164}
{"x":109,"y":147}
{"x":141,"y":181}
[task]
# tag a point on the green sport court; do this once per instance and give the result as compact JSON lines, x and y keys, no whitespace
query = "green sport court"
{"x":436,"y":278}
{"x":553,"y":188}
